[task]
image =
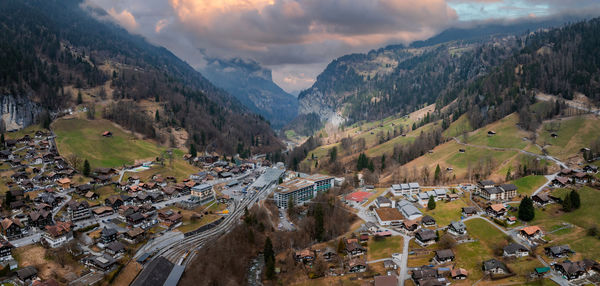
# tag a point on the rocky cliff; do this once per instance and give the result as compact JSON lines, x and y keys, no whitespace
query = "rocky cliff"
{"x":18,"y":112}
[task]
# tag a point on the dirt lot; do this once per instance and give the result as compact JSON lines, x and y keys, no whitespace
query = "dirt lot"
{"x":128,"y":273}
{"x":36,"y":255}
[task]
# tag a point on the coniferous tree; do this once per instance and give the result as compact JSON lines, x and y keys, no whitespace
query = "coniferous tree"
{"x":382,"y":162}
{"x":319,"y":223}
{"x":333,"y":154}
{"x":438,"y":173}
{"x":567,"y":203}
{"x":341,"y":246}
{"x":193,"y":151}
{"x":86,"y":168}
{"x":156,"y":116}
{"x":79,"y":98}
{"x":371,"y":166}
{"x":269,"y":255}
{"x":526,"y":210}
{"x":431,"y":203}
{"x":575,"y":200}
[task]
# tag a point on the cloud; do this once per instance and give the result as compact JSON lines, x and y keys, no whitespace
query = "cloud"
{"x":124,"y":18}
{"x":298,"y":38}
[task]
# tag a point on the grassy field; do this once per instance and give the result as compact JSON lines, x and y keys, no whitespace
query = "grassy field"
{"x":445,"y":212}
{"x":508,"y":135}
{"x":527,"y":185}
{"x":384,"y":248}
{"x":458,"y":127}
{"x":84,"y":138}
{"x":573,"y":134}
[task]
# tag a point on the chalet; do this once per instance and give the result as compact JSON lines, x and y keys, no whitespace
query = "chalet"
{"x":27,"y":274}
{"x":440,"y":194}
{"x":386,"y":280}
{"x":114,"y":201}
{"x":134,"y":235}
{"x":383,"y":202}
{"x":423,"y":274}
{"x":172,"y":220}
{"x":135,"y":219}
{"x":16,"y":205}
{"x":542,"y":199}
{"x":83,"y":189}
{"x":486,"y":184}
{"x":108,"y":235}
{"x":78,"y":210}
{"x":363,"y":237}
{"x":581,"y":178}
{"x":328,"y":253}
{"x":443,"y":256}
{"x":353,"y":248}
{"x":20,"y":176}
{"x":469,"y":211}
{"x":107,"y":134}
{"x":49,"y":199}
{"x":511,"y":220}
{"x":590,"y":169}
{"x":105,"y":171}
{"x":6,"y":155}
{"x":102,"y":262}
{"x":6,"y":250}
{"x":410,"y":225}
{"x":560,"y":182}
{"x":496,"y":210}
{"x":388,"y":216}
{"x":515,"y":250}
{"x":574,"y":270}
{"x":102,"y":179}
{"x":457,"y":228}
{"x":428,"y":221}
{"x":459,"y":274}
{"x":103,"y":211}
{"x":58,"y":234}
{"x":91,"y":195}
{"x":451,"y":197}
{"x":39,"y":219}
{"x":11,"y":228}
{"x":531,"y":232}
{"x":357,"y":265}
{"x":10,"y":142}
{"x":461,"y":150}
{"x":115,"y":248}
{"x":494,"y":266}
{"x":491,"y":133}
{"x":389,"y":264}
{"x":305,"y":256}
{"x":558,"y":251}
{"x":64,"y":183}
{"x":425,"y":236}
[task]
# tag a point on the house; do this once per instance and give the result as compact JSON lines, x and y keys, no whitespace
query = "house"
{"x":451,"y":197}
{"x":83,"y":189}
{"x":91,"y":195}
{"x":64,"y":183}
{"x":484,"y":184}
{"x":574,"y":270}
{"x":511,"y":220}
{"x":425,"y":236}
{"x":383,"y":202}
{"x":406,"y":189}
{"x":581,"y":178}
{"x":469,"y":211}
{"x":5,"y":250}
{"x":459,"y":274}
{"x":531,"y":232}
{"x":410,"y":225}
{"x":12,"y":228}
{"x":328,"y":253}
{"x":353,"y":248}
{"x":440,"y":194}
{"x":423,"y":273}
{"x":78,"y":210}
{"x":108,"y":235}
{"x":408,"y":210}
{"x":494,"y":266}
{"x":363,"y":237}
{"x":40,"y":218}
{"x":305,"y":256}
{"x":388,"y":216}
{"x":560,"y":182}
{"x":58,"y":234}
{"x":115,"y":248}
{"x":103,"y":211}
{"x":515,"y":250}
{"x":27,"y":274}
{"x":135,"y":218}
{"x":491,"y":133}
{"x":457,"y":228}
{"x":558,"y":251}
{"x":107,"y":134}
{"x":172,"y":220}
{"x":102,"y":262}
{"x":542,"y":199}
{"x":590,"y":169}
{"x":443,"y":256}
{"x":134,"y":235}
{"x":428,"y":221}
{"x":386,"y":280}
{"x":496,"y":210}
{"x":357,"y":265}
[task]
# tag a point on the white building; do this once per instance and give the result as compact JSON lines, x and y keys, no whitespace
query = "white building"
{"x":302,"y":189}
{"x":405,"y":189}
{"x":202,"y":193}
{"x":58,"y":234}
{"x":408,"y":210}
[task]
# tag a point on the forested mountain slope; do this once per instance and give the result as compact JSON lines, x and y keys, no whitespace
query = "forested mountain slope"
{"x":48,"y":45}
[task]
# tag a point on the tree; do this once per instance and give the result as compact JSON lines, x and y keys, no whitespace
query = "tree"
{"x":290,"y":206}
{"x":2,"y":141}
{"x":371,"y":166}
{"x":156,"y":116}
{"x":341,"y":246}
{"x":86,"y":168}
{"x":79,"y":98}
{"x":508,"y":174}
{"x":8,"y":198}
{"x":526,"y":210}
{"x":193,"y":150}
{"x":567,"y":203}
{"x":431,"y":203}
{"x":575,"y":200}
{"x":437,"y":174}
{"x":382,"y":162}
{"x":269,"y":255}
{"x":319,"y":224}
{"x":333,"y":154}
{"x":362,"y":162}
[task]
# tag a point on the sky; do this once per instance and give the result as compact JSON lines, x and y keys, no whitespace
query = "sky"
{"x":296,"y":39}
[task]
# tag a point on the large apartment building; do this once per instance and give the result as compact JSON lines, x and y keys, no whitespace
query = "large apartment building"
{"x":301,"y":189}
{"x":202,"y":193}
